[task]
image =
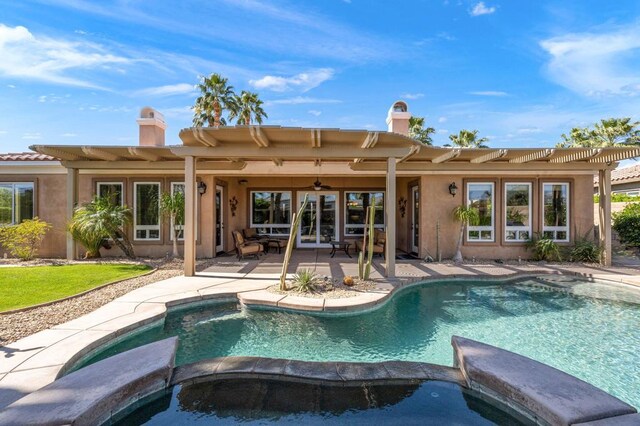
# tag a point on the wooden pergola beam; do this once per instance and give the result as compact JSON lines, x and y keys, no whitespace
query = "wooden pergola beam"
{"x":494,"y":155}
{"x":290,"y":153}
{"x":533,"y":156}
{"x":610,"y":157}
{"x":316,"y":140}
{"x":143,"y":154}
{"x":576,"y":156}
{"x":370,"y":140}
{"x":277,"y":162}
{"x":258,"y":137}
{"x":205,"y":137}
{"x":447,"y":156}
{"x":413,"y":151}
{"x":57,"y":153}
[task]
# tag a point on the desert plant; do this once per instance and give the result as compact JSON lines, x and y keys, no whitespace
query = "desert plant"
{"x":103,"y":219}
{"x":585,"y":249}
{"x":348,"y":281}
{"x":305,"y":280}
{"x":364,"y":268}
{"x":627,"y":224}
{"x":23,"y":240}
{"x":295,"y":225}
{"x":216,"y":95}
{"x":544,"y":248}
{"x":466,"y":215}
{"x":172,"y":206}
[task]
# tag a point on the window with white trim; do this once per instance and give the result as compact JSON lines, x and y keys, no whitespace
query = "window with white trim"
{"x":16,"y":202}
{"x":177,"y":187}
{"x":356,"y":204}
{"x":146,"y":210}
{"x":517,"y":211}
{"x":271,"y":212}
{"x":555,"y":211}
{"x":112,"y":190}
{"x":480,"y":196}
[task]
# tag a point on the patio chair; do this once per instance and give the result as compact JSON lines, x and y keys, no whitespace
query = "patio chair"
{"x":250,"y":234}
{"x":379,"y":243}
{"x":246,"y":248}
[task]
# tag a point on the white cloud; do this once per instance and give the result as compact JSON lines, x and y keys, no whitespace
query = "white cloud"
{"x":412,"y":95}
{"x":529,"y":130}
{"x":442,"y":119}
{"x":302,"y":100}
{"x":304,"y":81}
{"x":481,"y":9}
{"x":51,"y":60}
{"x":168,"y":90}
{"x":69,"y":135}
{"x":489,"y":93}
{"x":32,"y":135}
{"x":596,"y":64}
{"x":3,"y":132}
{"x":11,"y":86}
{"x":314,"y":112}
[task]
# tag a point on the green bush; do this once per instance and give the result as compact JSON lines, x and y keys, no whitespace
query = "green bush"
{"x":619,"y":198}
{"x":305,"y":280}
{"x":23,"y":240}
{"x":627,"y":224}
{"x":544,"y":248}
{"x":585,"y":250}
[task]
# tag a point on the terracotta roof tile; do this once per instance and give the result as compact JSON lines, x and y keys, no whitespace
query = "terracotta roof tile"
{"x":623,"y":175}
{"x":26,"y":156}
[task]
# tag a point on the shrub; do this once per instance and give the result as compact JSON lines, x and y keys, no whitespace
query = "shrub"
{"x":305,"y":280}
{"x":585,"y":249}
{"x":544,"y":248}
{"x":619,"y":198}
{"x":23,"y":240}
{"x":627,"y":224}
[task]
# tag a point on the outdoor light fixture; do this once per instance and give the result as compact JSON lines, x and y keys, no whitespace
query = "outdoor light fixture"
{"x":317,"y":185}
{"x":243,"y":182}
{"x":202,"y":188}
{"x":453,"y":189}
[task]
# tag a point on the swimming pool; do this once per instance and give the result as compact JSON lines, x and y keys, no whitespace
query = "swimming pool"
{"x":589,"y":330}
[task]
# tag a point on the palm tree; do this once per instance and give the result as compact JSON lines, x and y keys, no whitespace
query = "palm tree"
{"x":608,"y":132}
{"x":248,"y":109}
{"x":466,"y":215}
{"x":172,"y":205}
{"x":468,"y":139}
{"x":216,"y":95}
{"x":98,"y":220}
{"x":418,"y":132}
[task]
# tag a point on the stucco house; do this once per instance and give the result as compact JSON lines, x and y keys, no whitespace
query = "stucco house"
{"x":256,"y":176}
{"x":624,"y":181}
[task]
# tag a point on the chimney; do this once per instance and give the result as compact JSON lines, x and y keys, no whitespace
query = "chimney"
{"x":398,"y":118}
{"x":152,"y":127}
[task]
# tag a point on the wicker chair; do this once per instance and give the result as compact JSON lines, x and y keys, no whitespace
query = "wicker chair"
{"x":246,"y":248}
{"x":379,"y":243}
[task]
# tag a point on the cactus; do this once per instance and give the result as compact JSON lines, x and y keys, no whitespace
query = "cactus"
{"x":364,"y":268}
{"x":361,"y":265}
{"x":297,"y":217}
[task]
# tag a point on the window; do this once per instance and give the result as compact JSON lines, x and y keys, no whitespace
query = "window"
{"x":177,"y":187}
{"x":555,"y":212}
{"x":356,"y":211}
{"x":146,"y":206}
{"x":480,"y":197}
{"x":16,"y":202}
{"x":517,"y":199}
{"x":111,"y":190}
{"x":271,"y":212}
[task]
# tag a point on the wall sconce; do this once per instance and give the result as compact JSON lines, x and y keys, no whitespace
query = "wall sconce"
{"x":233,"y":205}
{"x":243,"y":182}
{"x":453,"y":189}
{"x":402,"y":205}
{"x":202,"y":188}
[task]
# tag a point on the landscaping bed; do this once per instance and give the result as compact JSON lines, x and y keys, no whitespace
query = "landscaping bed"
{"x":328,"y":288}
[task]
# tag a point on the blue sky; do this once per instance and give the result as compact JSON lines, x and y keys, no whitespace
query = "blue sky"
{"x":521,"y":72}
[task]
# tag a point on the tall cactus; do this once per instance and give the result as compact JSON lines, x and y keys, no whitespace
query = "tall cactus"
{"x":297,"y":217}
{"x":364,"y":268}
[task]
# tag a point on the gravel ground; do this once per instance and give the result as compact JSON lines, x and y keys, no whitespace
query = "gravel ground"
{"x":328,"y":289}
{"x":21,"y":324}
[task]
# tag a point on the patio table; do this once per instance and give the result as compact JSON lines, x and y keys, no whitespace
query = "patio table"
{"x":340,"y":245}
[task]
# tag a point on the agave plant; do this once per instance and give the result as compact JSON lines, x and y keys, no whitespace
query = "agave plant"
{"x":305,"y":280}
{"x":98,"y":220}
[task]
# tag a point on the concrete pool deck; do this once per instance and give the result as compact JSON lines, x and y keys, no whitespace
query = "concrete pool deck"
{"x":37,"y":360}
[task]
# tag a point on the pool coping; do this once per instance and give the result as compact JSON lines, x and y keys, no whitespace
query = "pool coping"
{"x":37,"y":360}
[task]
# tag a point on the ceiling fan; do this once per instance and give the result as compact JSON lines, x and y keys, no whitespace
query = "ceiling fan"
{"x":318,"y":186}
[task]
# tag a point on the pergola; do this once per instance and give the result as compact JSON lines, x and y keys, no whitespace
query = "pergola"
{"x":287,"y":151}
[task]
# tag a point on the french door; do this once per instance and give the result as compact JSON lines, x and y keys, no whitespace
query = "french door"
{"x":219,"y":219}
{"x":415,"y":220}
{"x":319,"y":222}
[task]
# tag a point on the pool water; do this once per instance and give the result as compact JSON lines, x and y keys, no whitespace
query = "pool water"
{"x":247,"y":401}
{"x":591,"y":331}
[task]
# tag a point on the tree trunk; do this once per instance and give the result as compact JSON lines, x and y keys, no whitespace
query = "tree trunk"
{"x":457,"y":258}
{"x":175,"y":237}
{"x":120,"y":239}
{"x":216,"y":114}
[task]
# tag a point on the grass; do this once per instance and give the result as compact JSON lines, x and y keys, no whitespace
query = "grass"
{"x":27,"y":286}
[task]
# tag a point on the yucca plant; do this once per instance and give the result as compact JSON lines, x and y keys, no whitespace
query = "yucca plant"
{"x":305,"y":280}
{"x":466,"y":215}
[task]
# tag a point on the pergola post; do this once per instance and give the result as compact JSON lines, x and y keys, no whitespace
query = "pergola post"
{"x":604,"y":192}
{"x":390,"y":209}
{"x":72,"y":201}
{"x":190,"y":216}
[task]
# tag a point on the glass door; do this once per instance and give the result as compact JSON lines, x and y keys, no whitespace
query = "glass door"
{"x":219,"y":219}
{"x":415,"y":220}
{"x":319,"y":222}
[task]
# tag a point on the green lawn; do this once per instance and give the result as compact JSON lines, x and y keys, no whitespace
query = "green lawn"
{"x":26,"y":286}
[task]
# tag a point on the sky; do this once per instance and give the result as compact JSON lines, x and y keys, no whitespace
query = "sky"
{"x":76,"y":72}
